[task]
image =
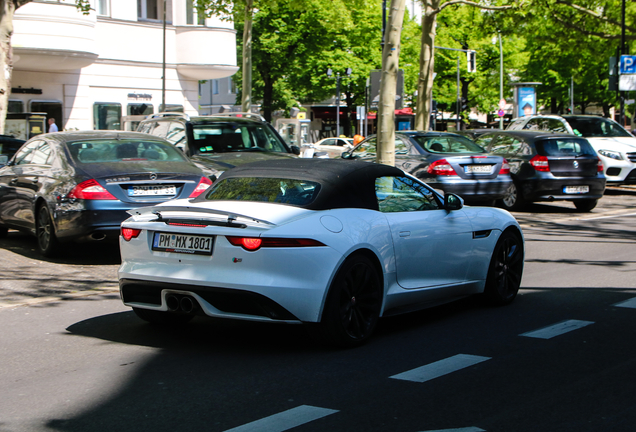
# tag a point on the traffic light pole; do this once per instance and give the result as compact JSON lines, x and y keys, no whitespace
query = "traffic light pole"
{"x":458,"y":101}
{"x":458,"y":80}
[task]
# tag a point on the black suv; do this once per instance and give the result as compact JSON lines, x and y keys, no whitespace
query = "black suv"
{"x":219,"y":142}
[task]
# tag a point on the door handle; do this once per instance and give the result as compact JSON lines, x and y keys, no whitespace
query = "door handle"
{"x":405,"y":233}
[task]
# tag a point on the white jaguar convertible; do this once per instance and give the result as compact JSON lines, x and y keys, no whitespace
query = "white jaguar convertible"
{"x":333,"y":242}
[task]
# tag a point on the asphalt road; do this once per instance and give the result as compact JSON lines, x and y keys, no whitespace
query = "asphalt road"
{"x":560,"y":358}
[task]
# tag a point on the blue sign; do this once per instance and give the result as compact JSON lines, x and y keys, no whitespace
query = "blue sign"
{"x":526,"y":101}
{"x":628,"y":65}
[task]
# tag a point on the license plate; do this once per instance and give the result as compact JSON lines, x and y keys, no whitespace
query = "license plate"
{"x":576,"y":189}
{"x":183,"y":243}
{"x":479,"y":169}
{"x":152,"y":190}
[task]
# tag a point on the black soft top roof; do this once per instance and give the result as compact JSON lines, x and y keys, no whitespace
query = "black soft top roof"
{"x":343,"y":183}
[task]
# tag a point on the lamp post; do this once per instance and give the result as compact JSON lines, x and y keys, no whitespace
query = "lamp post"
{"x":330,"y":74}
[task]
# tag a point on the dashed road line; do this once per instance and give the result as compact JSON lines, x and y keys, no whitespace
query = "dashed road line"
{"x":631,"y":303}
{"x":285,"y":420}
{"x":440,"y":368}
{"x":557,"y":329}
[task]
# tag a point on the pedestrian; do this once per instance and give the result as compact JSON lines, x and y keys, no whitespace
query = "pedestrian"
{"x":52,"y":125}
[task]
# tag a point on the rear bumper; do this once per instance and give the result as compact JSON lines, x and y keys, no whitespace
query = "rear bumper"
{"x":553,"y":189}
{"x":473,"y":189}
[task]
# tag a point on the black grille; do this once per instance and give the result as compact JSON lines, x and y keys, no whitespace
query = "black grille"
{"x":226,"y":300}
{"x":631,"y":157}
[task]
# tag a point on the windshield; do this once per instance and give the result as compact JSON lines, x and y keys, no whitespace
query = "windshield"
{"x":118,"y":150}
{"x":447,"y":144}
{"x":271,"y":190}
{"x":596,"y":127}
{"x":220,"y":137}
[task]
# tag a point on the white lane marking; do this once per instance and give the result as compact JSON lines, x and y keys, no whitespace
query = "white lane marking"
{"x":285,"y":420}
{"x":439,"y":368}
{"x":557,"y":329}
{"x":468,"y":429}
{"x":631,"y":303}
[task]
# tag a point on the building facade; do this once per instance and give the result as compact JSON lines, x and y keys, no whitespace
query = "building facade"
{"x":105,"y":70}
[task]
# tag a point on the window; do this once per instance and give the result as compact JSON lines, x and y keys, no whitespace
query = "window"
{"x":215,"y":86}
{"x":176,"y":134}
{"x":447,"y":144}
{"x":101,"y":151}
{"x":152,"y":10}
{"x":564,"y":147}
{"x":365,"y":149}
{"x":36,"y":152}
{"x":400,"y":194}
{"x":107,"y":116}
{"x":191,"y":14}
{"x":15,"y":106}
{"x":275,"y":190}
{"x":103,"y":7}
{"x":52,"y":108}
{"x":501,"y":145}
{"x":139,"y":109}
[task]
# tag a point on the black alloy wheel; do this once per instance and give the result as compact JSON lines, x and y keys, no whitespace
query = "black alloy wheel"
{"x":353,"y":303}
{"x":163,"y":318}
{"x":512,"y":200}
{"x":45,"y":232}
{"x":585,"y":205}
{"x":505,"y":270}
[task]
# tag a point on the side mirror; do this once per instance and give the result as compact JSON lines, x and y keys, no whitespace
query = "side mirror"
{"x":295,"y":150}
{"x":452,"y":202}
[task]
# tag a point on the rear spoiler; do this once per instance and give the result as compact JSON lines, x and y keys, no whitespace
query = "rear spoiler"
{"x":158,"y":210}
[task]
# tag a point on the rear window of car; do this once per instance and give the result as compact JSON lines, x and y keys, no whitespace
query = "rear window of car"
{"x":447,"y":144}
{"x":120,"y":150}
{"x":269,"y":190}
{"x":220,"y":137}
{"x":564,"y":147}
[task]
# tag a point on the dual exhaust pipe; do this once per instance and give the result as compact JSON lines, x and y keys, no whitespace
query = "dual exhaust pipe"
{"x":181,"y":303}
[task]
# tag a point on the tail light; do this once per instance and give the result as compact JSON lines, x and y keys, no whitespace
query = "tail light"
{"x":540,"y":163}
{"x":254,"y":243}
{"x":441,"y":167}
{"x":203,"y":185}
{"x":130,"y":233}
{"x":505,"y":167}
{"x":90,"y":190}
{"x":599,"y":166}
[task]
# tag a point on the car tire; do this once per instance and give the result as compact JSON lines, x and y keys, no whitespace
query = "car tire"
{"x":512,"y":200}
{"x":353,"y":303}
{"x":505,"y":269}
{"x":162,"y":318}
{"x":585,"y":205}
{"x":45,"y":232}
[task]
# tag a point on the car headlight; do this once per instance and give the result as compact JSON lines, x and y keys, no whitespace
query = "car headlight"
{"x":611,"y":154}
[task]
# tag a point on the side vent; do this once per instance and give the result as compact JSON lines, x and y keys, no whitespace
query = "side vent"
{"x":481,"y":234}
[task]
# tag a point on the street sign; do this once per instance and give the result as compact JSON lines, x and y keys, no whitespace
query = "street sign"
{"x":502,"y":104}
{"x":628,"y":64}
{"x":501,"y":113}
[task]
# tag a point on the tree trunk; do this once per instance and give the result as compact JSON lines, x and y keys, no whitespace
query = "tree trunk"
{"x":246,"y":105}
{"x":390,"y":64}
{"x":7,"y":9}
{"x":427,"y":65}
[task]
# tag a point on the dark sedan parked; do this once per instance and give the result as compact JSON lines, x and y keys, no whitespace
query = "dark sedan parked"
{"x":445,"y":161}
{"x":78,"y":185}
{"x":548,"y":166}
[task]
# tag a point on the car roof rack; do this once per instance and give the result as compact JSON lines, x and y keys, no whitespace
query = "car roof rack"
{"x":239,"y":114}
{"x":168,"y":114}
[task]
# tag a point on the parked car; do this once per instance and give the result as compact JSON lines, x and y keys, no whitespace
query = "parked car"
{"x":220,"y":141}
{"x":548,"y":166}
{"x":8,"y":146}
{"x":75,"y":186}
{"x":615,"y":146}
{"x":445,"y":161}
{"x":328,"y":241}
{"x":330,"y":147}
